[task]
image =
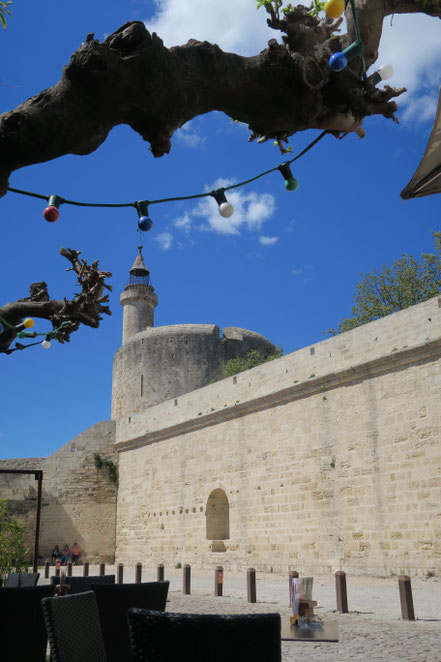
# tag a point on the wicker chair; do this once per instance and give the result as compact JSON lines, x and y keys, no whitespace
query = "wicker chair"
{"x":81,"y":584}
{"x":167,"y":637}
{"x":73,"y":628}
{"x":16,"y":579}
{"x":23,"y":629}
{"x":113,"y":604}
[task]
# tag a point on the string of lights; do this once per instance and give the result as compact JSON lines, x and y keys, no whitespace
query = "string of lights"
{"x":20,"y":330}
{"x":51,"y":212}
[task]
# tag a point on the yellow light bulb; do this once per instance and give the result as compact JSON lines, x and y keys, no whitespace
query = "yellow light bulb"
{"x":334,"y":8}
{"x":28,"y":323}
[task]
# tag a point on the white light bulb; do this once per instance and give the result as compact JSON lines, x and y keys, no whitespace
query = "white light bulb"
{"x":45,"y":344}
{"x":226,"y":210}
{"x":385,"y":71}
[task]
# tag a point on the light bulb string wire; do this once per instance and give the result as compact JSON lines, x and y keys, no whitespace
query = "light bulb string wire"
{"x":29,"y":334}
{"x":358,"y":39}
{"x":173,"y":199}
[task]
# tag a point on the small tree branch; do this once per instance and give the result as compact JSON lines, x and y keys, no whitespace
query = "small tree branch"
{"x":86,"y":307}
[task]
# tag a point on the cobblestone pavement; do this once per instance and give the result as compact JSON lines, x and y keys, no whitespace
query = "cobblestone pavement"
{"x":372,"y":631}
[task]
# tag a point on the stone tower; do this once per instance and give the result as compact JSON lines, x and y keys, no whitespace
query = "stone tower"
{"x":138,"y":299}
{"x":155,"y":364}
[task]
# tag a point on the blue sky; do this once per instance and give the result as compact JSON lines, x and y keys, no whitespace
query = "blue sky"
{"x":285,"y":265}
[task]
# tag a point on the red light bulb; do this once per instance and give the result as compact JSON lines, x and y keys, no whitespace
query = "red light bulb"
{"x":51,"y":214}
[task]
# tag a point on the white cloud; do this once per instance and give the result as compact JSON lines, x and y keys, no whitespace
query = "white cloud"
{"x":251,"y":210}
{"x":184,"y":223}
{"x":190,"y":136}
{"x":412,"y":45}
{"x":164,"y":240}
{"x":234,"y":25}
{"x":297,"y":272}
{"x":268,"y":241}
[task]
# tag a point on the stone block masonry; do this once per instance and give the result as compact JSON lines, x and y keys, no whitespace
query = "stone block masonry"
{"x":328,"y":458}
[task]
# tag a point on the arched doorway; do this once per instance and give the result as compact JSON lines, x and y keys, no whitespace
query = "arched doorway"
{"x":217,"y":516}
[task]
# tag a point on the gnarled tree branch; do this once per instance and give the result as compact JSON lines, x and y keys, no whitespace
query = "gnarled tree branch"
{"x":85,"y":308}
{"x":132,"y":78}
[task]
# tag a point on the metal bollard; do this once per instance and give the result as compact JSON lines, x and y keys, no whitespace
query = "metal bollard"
{"x":57,"y":569}
{"x":186,"y":579}
{"x":102,"y":569}
{"x":138,"y":573}
{"x":160,"y":572}
{"x":342,"y":595}
{"x":251,"y":584}
{"x":86,"y":569}
{"x":46,"y":569}
{"x":218,"y":581}
{"x":406,"y":600}
{"x":69,"y":568}
{"x":120,"y":573}
{"x":293,"y":574}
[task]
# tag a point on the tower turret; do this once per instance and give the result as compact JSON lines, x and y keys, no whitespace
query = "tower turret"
{"x":139,"y":299}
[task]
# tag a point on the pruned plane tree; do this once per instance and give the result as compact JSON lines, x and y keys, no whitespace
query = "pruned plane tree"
{"x":132,"y":78}
{"x":65,"y":316}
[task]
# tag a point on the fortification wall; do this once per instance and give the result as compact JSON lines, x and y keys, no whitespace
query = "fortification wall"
{"x":329,"y":457}
{"x":164,"y":362}
{"x":78,"y":500}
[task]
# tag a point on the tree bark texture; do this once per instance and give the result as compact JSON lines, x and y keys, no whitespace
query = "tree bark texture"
{"x":85,"y":308}
{"x":132,"y":78}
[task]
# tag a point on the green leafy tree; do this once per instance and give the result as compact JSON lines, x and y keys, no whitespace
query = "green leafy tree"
{"x":14,"y":556}
{"x":389,"y":289}
{"x":251,"y":360}
{"x":4,"y":11}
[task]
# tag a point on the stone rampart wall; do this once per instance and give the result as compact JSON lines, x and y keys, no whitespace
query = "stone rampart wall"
{"x":329,"y":457}
{"x":78,"y":500}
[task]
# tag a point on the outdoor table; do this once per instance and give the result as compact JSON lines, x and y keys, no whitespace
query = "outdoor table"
{"x":329,"y":632}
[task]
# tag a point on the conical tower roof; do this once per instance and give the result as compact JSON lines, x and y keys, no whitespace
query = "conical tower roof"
{"x":139,"y":272}
{"x":139,"y":268}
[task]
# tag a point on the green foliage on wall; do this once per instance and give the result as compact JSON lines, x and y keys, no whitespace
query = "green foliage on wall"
{"x":251,"y":360}
{"x":390,"y":289}
{"x":107,"y":464}
{"x":14,"y":556}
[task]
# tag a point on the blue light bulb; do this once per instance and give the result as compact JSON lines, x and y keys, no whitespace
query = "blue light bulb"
{"x":145,"y":223}
{"x":338,"y":61}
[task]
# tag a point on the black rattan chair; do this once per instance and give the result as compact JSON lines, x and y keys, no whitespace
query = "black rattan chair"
{"x":168,"y":637}
{"x":114,"y":603}
{"x":73,"y":628}
{"x":16,"y":579}
{"x":23,"y":631}
{"x":81,"y":584}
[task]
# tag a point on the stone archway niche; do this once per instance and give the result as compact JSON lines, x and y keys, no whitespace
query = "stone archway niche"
{"x":217,"y":520}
